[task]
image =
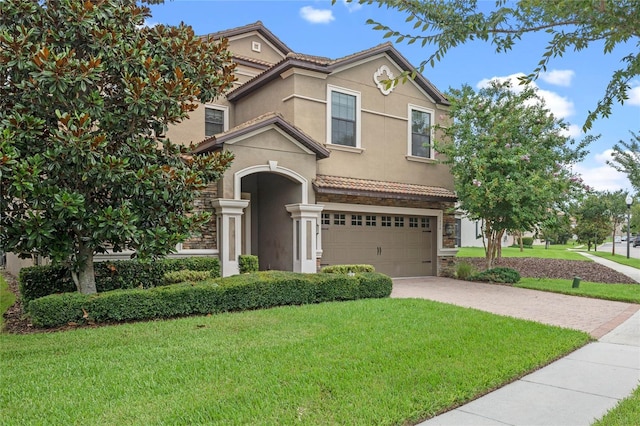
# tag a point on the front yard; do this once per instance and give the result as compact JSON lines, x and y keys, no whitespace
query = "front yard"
{"x":382,"y":361}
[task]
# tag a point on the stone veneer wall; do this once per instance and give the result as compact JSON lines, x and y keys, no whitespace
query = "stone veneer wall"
{"x":448,"y":217}
{"x":207,"y":239}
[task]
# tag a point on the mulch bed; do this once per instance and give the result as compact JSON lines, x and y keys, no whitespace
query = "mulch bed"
{"x":528,"y":267}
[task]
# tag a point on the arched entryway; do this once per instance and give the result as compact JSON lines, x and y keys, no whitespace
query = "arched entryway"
{"x":267,"y":224}
{"x":269,"y":217}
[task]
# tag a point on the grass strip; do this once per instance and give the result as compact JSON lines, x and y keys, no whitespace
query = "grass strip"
{"x":626,"y":413}
{"x":618,"y":258}
{"x":7,"y":299}
{"x":382,"y":361}
{"x":553,"y":252}
{"x":619,"y":292}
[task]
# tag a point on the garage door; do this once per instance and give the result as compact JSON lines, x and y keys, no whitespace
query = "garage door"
{"x":396,"y":245}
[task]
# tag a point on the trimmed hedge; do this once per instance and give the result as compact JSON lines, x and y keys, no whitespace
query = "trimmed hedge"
{"x":40,"y":281}
{"x":345,"y":269}
{"x":175,"y":277}
{"x":237,"y":293}
{"x":497,"y":275}
{"x":248,"y":263}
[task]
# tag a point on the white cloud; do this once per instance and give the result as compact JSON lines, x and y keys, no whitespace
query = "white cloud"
{"x":148,"y":24}
{"x":316,"y":16}
{"x":573,"y":131}
{"x":352,"y":6}
{"x":558,"y":77}
{"x":634,"y":95}
{"x":600,"y":176}
{"x":560,"y":106}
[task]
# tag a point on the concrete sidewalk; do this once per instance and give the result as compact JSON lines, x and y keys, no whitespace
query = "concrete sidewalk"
{"x":575,"y":390}
{"x":629,"y":271}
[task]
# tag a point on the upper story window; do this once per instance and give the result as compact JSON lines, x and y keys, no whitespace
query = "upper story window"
{"x":215,"y":120}
{"x":420,"y":132}
{"x":343,"y":117}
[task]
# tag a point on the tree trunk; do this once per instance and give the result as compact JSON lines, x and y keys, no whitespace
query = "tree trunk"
{"x":492,"y":240}
{"x":85,"y":278}
{"x":521,"y":242}
{"x":613,"y":239}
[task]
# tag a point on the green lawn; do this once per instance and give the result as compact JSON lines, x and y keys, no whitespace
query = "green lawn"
{"x":382,"y":361}
{"x":553,"y":252}
{"x":7,"y":298}
{"x":620,"y":292}
{"x":626,"y":413}
{"x":619,"y":258}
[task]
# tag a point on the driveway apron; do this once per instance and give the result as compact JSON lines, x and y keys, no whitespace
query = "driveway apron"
{"x":595,"y":316}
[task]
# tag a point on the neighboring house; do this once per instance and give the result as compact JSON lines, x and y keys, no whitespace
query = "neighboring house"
{"x":331,"y":165}
{"x":469,"y":233}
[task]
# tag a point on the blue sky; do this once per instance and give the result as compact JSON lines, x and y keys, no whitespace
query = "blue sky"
{"x":571,"y":87}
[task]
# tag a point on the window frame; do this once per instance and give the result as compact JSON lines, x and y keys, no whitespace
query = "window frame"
{"x":225,"y":118}
{"x":431,"y":113}
{"x":358,"y":115}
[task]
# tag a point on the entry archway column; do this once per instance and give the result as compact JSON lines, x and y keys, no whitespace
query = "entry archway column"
{"x":305,"y":233}
{"x":229,"y":223}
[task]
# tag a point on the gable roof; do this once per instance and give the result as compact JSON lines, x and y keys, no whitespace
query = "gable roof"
{"x":257,"y":27}
{"x":271,"y":118}
{"x":324,"y":184}
{"x":327,"y":66}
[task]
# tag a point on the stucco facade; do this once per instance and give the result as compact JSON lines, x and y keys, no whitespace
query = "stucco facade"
{"x":331,"y":165}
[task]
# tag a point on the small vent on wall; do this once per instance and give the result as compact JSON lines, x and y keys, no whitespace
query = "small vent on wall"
{"x":256,"y":46}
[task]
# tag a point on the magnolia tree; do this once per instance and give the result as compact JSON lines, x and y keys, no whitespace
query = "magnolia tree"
{"x":86,"y":93}
{"x":509,"y":158}
{"x":569,"y":24}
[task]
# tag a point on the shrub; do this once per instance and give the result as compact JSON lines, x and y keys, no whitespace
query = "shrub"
{"x":526,"y":242}
{"x":237,"y":293}
{"x":40,"y":281}
{"x":175,"y":277}
{"x":345,"y":269}
{"x":497,"y":275}
{"x":248,"y":263}
{"x":464,"y":270}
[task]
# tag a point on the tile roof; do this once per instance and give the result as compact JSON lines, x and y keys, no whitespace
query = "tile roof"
{"x":327,"y":66}
{"x":257,"y":26}
{"x":271,"y":118}
{"x":354,"y":186}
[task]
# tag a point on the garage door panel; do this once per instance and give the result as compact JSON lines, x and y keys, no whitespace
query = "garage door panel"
{"x":401,"y":248}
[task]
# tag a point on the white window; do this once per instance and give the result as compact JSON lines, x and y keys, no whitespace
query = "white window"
{"x":343,"y":117}
{"x":215,"y":120}
{"x":420,"y":122}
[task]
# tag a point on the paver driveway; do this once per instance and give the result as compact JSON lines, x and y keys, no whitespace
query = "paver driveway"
{"x":596,"y":317}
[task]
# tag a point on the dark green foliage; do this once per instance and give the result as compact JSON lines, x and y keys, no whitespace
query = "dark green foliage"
{"x":87,"y":92}
{"x":176,"y":277}
{"x":248,"y":263}
{"x":241,"y":292}
{"x":497,"y":275}
{"x":345,"y":269}
{"x":527,"y":241}
{"x":40,"y":281}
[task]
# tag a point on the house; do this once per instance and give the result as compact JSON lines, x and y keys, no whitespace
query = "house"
{"x":332,"y":165}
